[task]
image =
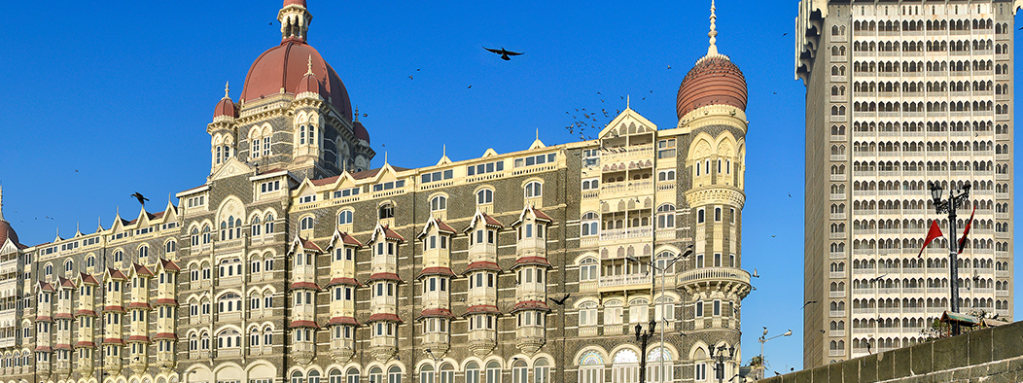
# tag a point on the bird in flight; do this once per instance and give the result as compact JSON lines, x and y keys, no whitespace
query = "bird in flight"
{"x":504,"y":53}
{"x":807,"y":302}
{"x":562,"y":301}
{"x":142,"y":199}
{"x":669,"y":67}
{"x":878,"y":278}
{"x":784,"y":34}
{"x":773,"y":236}
{"x":470,"y":87}
{"x":755,"y":274}
{"x":409,"y":77}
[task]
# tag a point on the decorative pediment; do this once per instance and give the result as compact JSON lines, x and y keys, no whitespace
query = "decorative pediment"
{"x":233,"y":167}
{"x":628,"y":120}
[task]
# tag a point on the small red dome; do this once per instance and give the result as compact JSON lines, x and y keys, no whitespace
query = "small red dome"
{"x":225,"y":108}
{"x":7,"y":232}
{"x":360,"y":131}
{"x":714,"y":80}
{"x":294,"y":2}
{"x":283,"y":67}
{"x":309,"y":83}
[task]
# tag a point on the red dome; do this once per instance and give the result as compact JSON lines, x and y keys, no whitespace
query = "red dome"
{"x":284,"y":66}
{"x":309,"y":84}
{"x":360,"y":132}
{"x":225,"y":108}
{"x":294,"y":2}
{"x":6,"y":231}
{"x":715,"y":80}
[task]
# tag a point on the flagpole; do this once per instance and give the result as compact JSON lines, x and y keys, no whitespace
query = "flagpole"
{"x":950,"y":206}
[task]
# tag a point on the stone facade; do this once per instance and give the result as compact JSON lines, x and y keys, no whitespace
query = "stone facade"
{"x":297,"y":262}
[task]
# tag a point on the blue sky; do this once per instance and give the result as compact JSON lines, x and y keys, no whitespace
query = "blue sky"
{"x":104,"y":101}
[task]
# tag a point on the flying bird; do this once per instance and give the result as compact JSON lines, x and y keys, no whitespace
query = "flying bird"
{"x":878,"y":278}
{"x":76,"y":170}
{"x":562,"y":301}
{"x":409,"y":77}
{"x":504,"y":53}
{"x":773,"y":236}
{"x":755,"y":275}
{"x":470,"y":87}
{"x":669,"y":67}
{"x":784,"y":34}
{"x":142,"y":199}
{"x":807,"y":302}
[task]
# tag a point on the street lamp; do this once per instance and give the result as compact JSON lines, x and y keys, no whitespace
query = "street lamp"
{"x":642,"y":338}
{"x":719,"y":360}
{"x":763,"y":339}
{"x":663,"y":270}
{"x":949,"y":206}
{"x":436,"y":368}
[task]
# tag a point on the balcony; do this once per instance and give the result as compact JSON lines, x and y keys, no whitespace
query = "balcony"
{"x":626,"y":233}
{"x":714,"y":275}
{"x":625,"y":280}
{"x":589,"y":331}
{"x":629,"y":187}
{"x":837,"y":314}
{"x":628,"y":153}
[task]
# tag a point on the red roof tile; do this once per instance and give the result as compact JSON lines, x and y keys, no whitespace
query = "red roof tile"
{"x":384,"y":276}
{"x":391,"y":234}
{"x":44,"y":319}
{"x":436,"y":271}
{"x":169,"y":265}
{"x":348,"y":239}
{"x":166,"y":302}
{"x":63,"y":346}
{"x":116,"y":274}
{"x":482,"y":265}
{"x":139,"y":305}
{"x":530,"y":305}
{"x":66,"y":283}
{"x":305,"y":285}
{"x":113,"y":308}
{"x":343,"y":320}
{"x":88,"y":313}
{"x":138,"y":338}
{"x":310,"y":245}
{"x":488,"y":220}
{"x":43,"y":349}
{"x":142,"y":270}
{"x":63,"y":316}
{"x":541,"y":261}
{"x":435,"y":313}
{"x":46,"y":287}
{"x":482,"y":309}
{"x":343,"y":281}
{"x":89,"y":279}
{"x":304,"y":324}
{"x":324,"y":181}
{"x":384,"y":317}
{"x":165,"y":335}
{"x":113,"y":341}
{"x":85,"y":344}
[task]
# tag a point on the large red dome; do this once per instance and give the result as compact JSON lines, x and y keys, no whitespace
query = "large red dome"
{"x":7,"y":232}
{"x":714,"y":80}
{"x":284,"y":66}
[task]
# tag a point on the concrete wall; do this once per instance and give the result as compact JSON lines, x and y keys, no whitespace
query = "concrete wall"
{"x":992,"y":355}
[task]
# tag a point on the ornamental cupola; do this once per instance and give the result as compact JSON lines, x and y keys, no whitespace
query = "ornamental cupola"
{"x":295,"y":19}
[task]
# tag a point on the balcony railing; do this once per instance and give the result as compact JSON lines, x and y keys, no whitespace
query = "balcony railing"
{"x":713,"y":274}
{"x":626,"y":233}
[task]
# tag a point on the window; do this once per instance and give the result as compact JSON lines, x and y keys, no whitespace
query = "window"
{"x":270,"y":186}
{"x":439,"y":203}
{"x":667,"y":175}
{"x":588,"y":270}
{"x":347,"y":192}
{"x":535,"y":160}
{"x":592,"y":184}
{"x":389,"y":185}
{"x":699,"y":309}
{"x":494,"y":371}
{"x":485,"y":196}
{"x":143,"y":253}
{"x":666,"y":148}
{"x":69,"y":266}
{"x":700,"y":216}
{"x":345,"y":217}
{"x":591,"y":157}
{"x":717,"y":308}
{"x":666,"y":216}
{"x":394,"y":374}
{"x":701,"y":371}
{"x":437,"y":176}
{"x":307,"y":198}
{"x":717,"y":214}
{"x":534,"y":189}
{"x":386,"y":211}
{"x":256,"y":227}
{"x":169,"y":247}
{"x":589,"y":225}
{"x":472,"y":373}
{"x":306,"y":223}
{"x":588,"y":314}
{"x":269,"y":223}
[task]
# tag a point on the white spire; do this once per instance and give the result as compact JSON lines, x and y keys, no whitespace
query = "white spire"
{"x":309,"y":65}
{"x":713,"y":49}
{"x":227,"y":89}
{"x":1,"y":202}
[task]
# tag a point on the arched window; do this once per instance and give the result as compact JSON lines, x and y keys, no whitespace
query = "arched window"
{"x":534,"y":190}
{"x":386,"y":211}
{"x":394,"y":374}
{"x":588,"y":270}
{"x":485,"y":196}
{"x":666,"y":216}
{"x":589,"y":225}
{"x":170,"y":247}
{"x":447,"y":373}
{"x":269,"y":223}
{"x":91,"y":261}
{"x":352,"y":375}
{"x":591,"y":368}
{"x":655,"y":372}
{"x":143,"y":253}
{"x":306,"y":223}
{"x":314,"y":376}
{"x":520,"y":372}
{"x":493,"y":372}
{"x":472,"y":373}
{"x":69,"y":266}
{"x":439,"y":203}
{"x":625,"y":367}
{"x":345,"y":217}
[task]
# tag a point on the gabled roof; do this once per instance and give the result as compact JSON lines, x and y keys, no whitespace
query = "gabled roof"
{"x":436,"y":271}
{"x":141,"y":270}
{"x":388,"y":234}
{"x":536,"y":213}
{"x":440,"y":225}
{"x":345,"y":239}
{"x":46,"y":287}
{"x":306,"y":245}
{"x":488,"y":220}
{"x":531,"y":305}
{"x":88,"y":279}
{"x":66,"y":283}
{"x":344,"y":281}
{"x":113,"y":273}
{"x":169,"y":265}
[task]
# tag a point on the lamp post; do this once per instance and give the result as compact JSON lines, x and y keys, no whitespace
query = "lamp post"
{"x":663,"y":271}
{"x":949,"y":206}
{"x":719,"y":360}
{"x":763,"y":339}
{"x":436,"y":368}
{"x":642,"y":338}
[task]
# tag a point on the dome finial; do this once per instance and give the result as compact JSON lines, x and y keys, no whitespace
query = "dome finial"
{"x":1,"y":202}
{"x":309,"y":66}
{"x":356,"y":113}
{"x":227,"y":89}
{"x":713,"y":50}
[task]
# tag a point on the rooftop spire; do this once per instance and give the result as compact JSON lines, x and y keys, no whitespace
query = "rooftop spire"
{"x":713,"y":49}
{"x":227,"y":89}
{"x":1,"y":203}
{"x":309,"y":66}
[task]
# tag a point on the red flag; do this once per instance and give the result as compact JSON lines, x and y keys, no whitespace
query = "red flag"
{"x":962,"y":241}
{"x":935,"y":232}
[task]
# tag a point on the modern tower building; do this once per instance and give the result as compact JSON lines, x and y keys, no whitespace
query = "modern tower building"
{"x":297,"y":261}
{"x":899,"y":94}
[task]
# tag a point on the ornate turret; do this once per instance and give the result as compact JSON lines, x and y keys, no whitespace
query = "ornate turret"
{"x":6,"y":231}
{"x":714,"y":80}
{"x":295,"y":19}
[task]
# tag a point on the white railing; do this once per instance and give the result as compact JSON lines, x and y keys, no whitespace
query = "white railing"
{"x":626,"y":233}
{"x":625,"y":280}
